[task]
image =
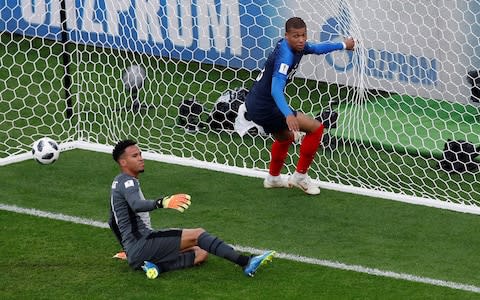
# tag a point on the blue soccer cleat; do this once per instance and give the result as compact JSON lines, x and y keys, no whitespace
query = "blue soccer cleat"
{"x":151,"y":270}
{"x":256,"y":261}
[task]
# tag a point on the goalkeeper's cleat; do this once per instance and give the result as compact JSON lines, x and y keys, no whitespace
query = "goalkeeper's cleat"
{"x":150,"y":269}
{"x":275,"y":182}
{"x":256,"y":261}
{"x":121,"y":255}
{"x":304,"y":182}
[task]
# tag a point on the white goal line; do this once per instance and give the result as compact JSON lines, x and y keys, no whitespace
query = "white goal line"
{"x":292,"y":257}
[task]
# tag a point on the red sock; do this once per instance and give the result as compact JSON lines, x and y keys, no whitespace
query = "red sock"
{"x":309,"y":147}
{"x":279,"y":153}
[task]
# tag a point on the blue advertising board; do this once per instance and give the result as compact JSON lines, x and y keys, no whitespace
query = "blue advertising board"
{"x":235,"y":33}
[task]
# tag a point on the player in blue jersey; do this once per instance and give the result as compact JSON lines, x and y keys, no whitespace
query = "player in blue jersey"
{"x":169,"y":249}
{"x":266,"y":105}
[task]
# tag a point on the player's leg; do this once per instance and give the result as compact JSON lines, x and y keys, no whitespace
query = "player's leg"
{"x":182,"y":261}
{"x":168,"y":251}
{"x":200,"y":254}
{"x":216,"y":246}
{"x":157,"y":248}
{"x":188,"y":258}
{"x":278,"y":154}
{"x":212,"y":244}
{"x":308,"y":149}
{"x":273,"y":122}
{"x":189,"y":241}
{"x":311,"y":141}
{"x":278,"y":127}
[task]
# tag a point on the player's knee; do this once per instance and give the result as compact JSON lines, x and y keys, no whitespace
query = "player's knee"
{"x":285,"y":136}
{"x":193,"y":233}
{"x":307,"y":123}
{"x":199,"y":231}
{"x":313,"y":126}
{"x":196,"y":234}
{"x":190,"y":237}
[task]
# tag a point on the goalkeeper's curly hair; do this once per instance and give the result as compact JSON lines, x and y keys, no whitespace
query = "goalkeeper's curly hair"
{"x":120,"y":147}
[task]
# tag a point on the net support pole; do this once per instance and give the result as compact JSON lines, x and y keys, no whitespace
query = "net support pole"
{"x":67,"y":78}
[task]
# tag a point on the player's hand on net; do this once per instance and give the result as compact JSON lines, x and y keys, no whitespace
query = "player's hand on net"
{"x":179,"y":202}
{"x":349,"y":43}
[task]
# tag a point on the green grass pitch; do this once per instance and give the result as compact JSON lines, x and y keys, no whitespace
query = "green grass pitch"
{"x":51,"y":259}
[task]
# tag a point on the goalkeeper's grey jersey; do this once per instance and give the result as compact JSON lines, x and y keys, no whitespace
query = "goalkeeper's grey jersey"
{"x":130,"y":218}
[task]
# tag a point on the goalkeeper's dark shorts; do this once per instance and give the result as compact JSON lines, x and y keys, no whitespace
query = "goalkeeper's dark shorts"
{"x":183,"y":260}
{"x":158,"y":247}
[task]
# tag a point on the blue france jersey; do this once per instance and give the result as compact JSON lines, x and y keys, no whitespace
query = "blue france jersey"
{"x":281,"y":65}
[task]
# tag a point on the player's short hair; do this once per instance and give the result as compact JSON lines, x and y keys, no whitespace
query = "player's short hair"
{"x":295,"y":23}
{"x":120,"y":147}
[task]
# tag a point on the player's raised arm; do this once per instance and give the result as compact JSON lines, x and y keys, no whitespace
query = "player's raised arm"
{"x":326,"y":47}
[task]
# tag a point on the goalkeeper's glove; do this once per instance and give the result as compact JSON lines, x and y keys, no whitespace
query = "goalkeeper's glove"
{"x":179,"y":202}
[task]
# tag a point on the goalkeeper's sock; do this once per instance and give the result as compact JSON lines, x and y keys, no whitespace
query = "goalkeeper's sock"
{"x":279,"y":153}
{"x":216,"y":246}
{"x":309,"y":147}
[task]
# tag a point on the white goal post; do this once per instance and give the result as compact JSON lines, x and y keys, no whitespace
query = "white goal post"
{"x":407,"y":98}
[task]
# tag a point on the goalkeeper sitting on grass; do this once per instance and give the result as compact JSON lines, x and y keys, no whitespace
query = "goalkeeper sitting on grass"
{"x":168,"y":249}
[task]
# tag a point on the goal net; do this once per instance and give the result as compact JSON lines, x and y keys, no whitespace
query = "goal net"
{"x":89,"y":73}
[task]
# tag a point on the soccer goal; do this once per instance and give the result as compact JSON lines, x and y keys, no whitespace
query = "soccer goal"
{"x":88,"y":73}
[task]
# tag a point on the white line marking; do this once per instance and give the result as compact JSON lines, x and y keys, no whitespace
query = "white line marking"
{"x":54,"y":216}
{"x":298,"y":258}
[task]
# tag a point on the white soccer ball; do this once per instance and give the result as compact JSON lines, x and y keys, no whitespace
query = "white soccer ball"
{"x":45,"y":151}
{"x":133,"y":77}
